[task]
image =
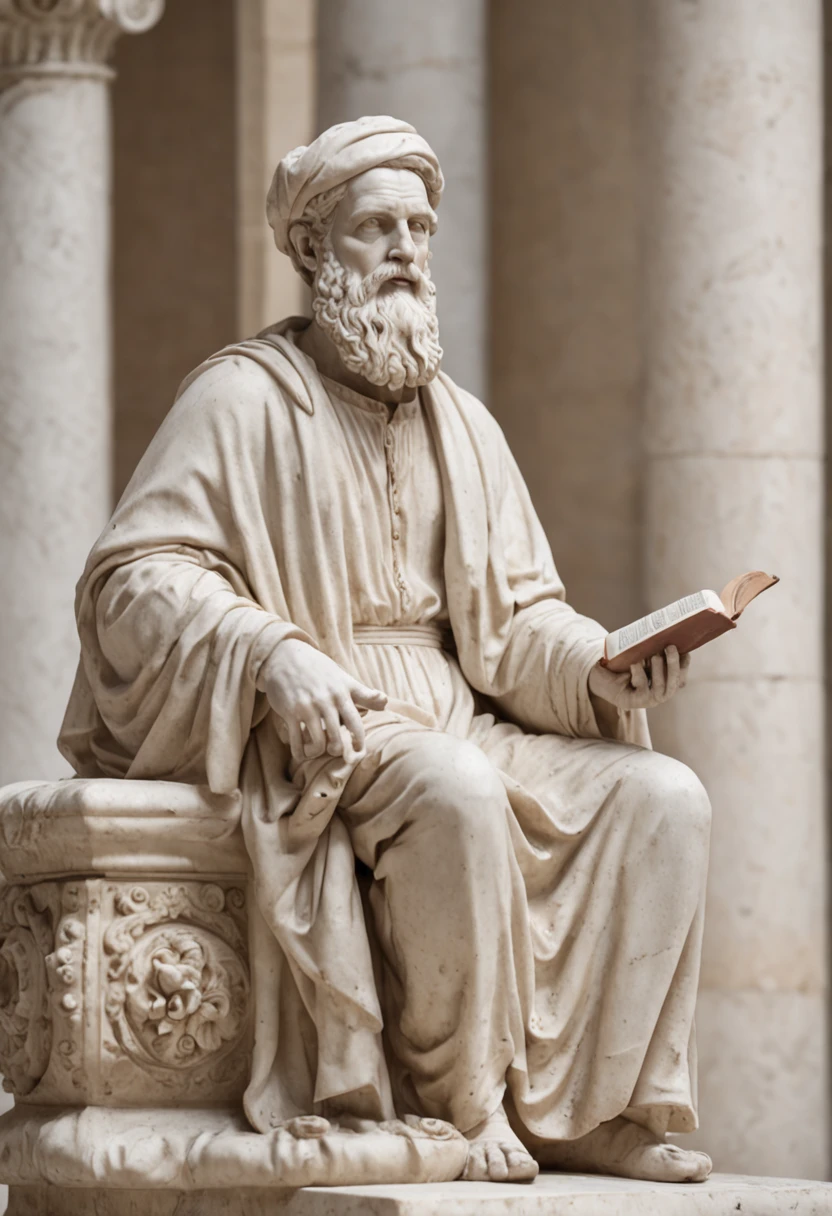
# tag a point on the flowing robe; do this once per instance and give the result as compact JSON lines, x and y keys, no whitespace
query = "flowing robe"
{"x":241,"y":527}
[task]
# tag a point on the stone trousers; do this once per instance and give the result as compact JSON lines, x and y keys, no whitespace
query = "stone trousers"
{"x":537,"y":905}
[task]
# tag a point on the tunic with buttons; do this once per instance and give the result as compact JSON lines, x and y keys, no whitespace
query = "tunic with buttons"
{"x":396,"y":564}
{"x":396,"y":571}
{"x":447,"y":900}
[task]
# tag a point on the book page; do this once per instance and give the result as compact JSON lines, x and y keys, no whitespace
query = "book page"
{"x":738,"y":594}
{"x":630,"y":635}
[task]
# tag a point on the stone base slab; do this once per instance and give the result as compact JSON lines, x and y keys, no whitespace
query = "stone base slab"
{"x":96,"y":1161}
{"x":549,"y":1195}
{"x":93,"y":1159}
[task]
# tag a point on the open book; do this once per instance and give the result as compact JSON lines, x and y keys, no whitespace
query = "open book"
{"x":687,"y":624}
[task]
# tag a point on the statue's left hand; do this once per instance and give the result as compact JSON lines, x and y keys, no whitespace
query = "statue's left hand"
{"x":645,"y":685}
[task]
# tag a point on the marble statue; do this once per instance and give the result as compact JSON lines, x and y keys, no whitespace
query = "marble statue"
{"x":479,"y":893}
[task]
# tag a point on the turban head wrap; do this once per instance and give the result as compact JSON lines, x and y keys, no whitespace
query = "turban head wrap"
{"x":337,"y":156}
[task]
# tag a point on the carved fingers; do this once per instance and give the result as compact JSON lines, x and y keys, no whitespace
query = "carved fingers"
{"x":351,"y":718}
{"x":659,"y":679}
{"x":645,"y":685}
{"x":368,"y":698}
{"x":294,"y":736}
{"x":331,"y":723}
{"x":312,"y":724}
{"x":640,"y":685}
{"x":676,"y":674}
{"x":317,"y":702}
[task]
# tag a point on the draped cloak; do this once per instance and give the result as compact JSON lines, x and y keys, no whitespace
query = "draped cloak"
{"x":233,"y":534}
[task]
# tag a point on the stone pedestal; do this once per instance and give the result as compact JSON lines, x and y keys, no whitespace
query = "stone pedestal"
{"x":126,"y":1015}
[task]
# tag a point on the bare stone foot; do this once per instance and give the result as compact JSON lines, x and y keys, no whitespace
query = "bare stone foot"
{"x":495,"y":1153}
{"x":626,"y":1150}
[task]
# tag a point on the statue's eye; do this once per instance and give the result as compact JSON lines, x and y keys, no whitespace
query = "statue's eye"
{"x":372,"y":224}
{"x":418,"y":227}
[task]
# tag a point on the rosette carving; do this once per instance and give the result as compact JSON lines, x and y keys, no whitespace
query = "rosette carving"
{"x":177,"y":982}
{"x":27,"y":936}
{"x":44,"y":34}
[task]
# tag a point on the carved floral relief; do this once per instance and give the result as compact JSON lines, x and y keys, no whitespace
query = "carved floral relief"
{"x":177,"y":983}
{"x":27,"y":935}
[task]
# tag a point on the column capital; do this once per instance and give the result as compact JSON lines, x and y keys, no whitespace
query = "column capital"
{"x":67,"y":37}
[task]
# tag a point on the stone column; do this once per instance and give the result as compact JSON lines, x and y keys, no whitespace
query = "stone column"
{"x":425,"y":63}
{"x":55,"y":449}
{"x":276,"y":97}
{"x":734,"y":481}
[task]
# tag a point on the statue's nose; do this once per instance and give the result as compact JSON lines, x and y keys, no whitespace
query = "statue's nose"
{"x":403,"y":249}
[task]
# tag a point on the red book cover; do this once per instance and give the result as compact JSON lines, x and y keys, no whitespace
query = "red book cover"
{"x":687,"y":623}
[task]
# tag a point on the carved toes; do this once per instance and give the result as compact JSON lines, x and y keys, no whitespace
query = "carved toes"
{"x":307,"y":1127}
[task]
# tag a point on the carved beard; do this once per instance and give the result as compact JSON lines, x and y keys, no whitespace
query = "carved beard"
{"x":391,"y":340}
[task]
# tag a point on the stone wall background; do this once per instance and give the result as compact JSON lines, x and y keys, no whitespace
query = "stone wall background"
{"x":565,"y":368}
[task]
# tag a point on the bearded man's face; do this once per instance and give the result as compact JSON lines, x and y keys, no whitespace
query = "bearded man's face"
{"x":372,"y":294}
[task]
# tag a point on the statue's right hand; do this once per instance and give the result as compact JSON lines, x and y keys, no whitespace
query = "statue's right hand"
{"x":317,"y":701}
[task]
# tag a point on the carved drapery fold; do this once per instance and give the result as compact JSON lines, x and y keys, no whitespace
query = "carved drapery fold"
{"x":68,"y":36}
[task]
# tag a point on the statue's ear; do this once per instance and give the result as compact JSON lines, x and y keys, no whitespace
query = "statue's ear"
{"x":301,"y":241}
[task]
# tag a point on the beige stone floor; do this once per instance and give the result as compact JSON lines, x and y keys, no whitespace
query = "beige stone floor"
{"x":571,"y":1195}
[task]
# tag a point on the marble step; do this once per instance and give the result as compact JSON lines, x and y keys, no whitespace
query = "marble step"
{"x":550,"y":1195}
{"x":572,"y":1195}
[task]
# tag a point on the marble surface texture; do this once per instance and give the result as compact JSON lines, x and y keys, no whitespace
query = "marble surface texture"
{"x":548,"y":1195}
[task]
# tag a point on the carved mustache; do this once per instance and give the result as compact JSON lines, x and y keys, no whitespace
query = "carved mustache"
{"x":385,"y":273}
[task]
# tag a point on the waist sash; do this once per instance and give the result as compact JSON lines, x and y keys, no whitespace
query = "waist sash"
{"x":430,"y":635}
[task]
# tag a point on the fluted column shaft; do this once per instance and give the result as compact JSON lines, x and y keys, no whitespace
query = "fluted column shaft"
{"x":55,"y":426}
{"x":425,"y":63}
{"x":734,"y":444}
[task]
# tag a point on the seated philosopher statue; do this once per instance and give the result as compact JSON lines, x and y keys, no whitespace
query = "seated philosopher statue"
{"x":326,"y":586}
